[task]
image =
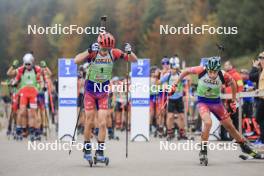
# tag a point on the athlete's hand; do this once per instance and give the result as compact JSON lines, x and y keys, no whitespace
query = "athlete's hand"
{"x":128,"y":48}
{"x":43,"y":64}
{"x":13,"y":83}
{"x":233,"y":106}
{"x":94,"y":47}
{"x":15,"y":63}
{"x":172,"y":90}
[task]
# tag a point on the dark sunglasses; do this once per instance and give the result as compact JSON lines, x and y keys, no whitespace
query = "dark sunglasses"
{"x":165,"y":63}
{"x":260,"y":57}
{"x":27,"y":64}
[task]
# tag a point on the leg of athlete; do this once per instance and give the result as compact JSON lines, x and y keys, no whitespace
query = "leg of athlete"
{"x":90,"y":113}
{"x":88,"y":124}
{"x":222,"y":114}
{"x":181,"y":125}
{"x":102,"y":117}
{"x":170,"y":126}
{"x":205,"y":116}
{"x":102,"y":124}
{"x":21,"y":122}
{"x":118,"y":115}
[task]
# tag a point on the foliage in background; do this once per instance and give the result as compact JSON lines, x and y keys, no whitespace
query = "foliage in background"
{"x":134,"y":21}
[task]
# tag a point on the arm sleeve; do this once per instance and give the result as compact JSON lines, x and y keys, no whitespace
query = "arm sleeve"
{"x":228,"y":78}
{"x":19,"y":74}
{"x":196,"y":70}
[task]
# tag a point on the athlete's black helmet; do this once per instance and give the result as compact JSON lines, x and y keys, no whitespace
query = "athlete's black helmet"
{"x":213,"y":63}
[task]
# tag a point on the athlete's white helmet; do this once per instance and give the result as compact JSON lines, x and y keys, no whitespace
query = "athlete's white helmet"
{"x":175,"y":62}
{"x":28,"y":59}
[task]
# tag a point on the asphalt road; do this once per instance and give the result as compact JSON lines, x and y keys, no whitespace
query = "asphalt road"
{"x":144,"y":158}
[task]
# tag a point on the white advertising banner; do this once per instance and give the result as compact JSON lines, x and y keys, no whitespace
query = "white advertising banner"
{"x":67,"y":74}
{"x":140,"y":100}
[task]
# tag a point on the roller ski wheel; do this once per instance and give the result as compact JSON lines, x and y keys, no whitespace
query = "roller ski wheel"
{"x":249,"y":151}
{"x":32,"y":138}
{"x":170,"y":138}
{"x":8,"y":134}
{"x":203,"y":159}
{"x":191,"y":138}
{"x":160,"y":134}
{"x":18,"y":137}
{"x":182,"y":138}
{"x":101,"y":159}
{"x":248,"y":157}
{"x":113,"y":138}
{"x":89,"y":158}
{"x":155,"y":134}
{"x":37,"y":138}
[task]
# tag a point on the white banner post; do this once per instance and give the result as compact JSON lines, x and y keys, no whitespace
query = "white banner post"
{"x":67,"y":74}
{"x":140,"y":100}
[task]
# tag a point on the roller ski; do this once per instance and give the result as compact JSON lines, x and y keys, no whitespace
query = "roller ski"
{"x":182,"y":135}
{"x":111,"y":135}
{"x":18,"y":137}
{"x":32,"y":138}
{"x":250,"y":153}
{"x":89,"y":158}
{"x":37,"y":138}
{"x":18,"y":134}
{"x":100,"y":158}
{"x":8,"y":134}
{"x":203,"y":156}
{"x":155,"y":133}
{"x":183,"y":138}
{"x":160,"y":132}
{"x":88,"y":153}
{"x":248,"y":157}
{"x":169,"y":138}
{"x":170,"y":135}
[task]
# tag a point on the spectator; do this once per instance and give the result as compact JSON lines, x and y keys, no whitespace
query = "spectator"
{"x":229,"y":68}
{"x":257,"y":75}
{"x":247,"y":101}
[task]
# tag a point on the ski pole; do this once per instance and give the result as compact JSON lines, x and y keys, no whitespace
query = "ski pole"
{"x":127,"y":110}
{"x":76,"y":125}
